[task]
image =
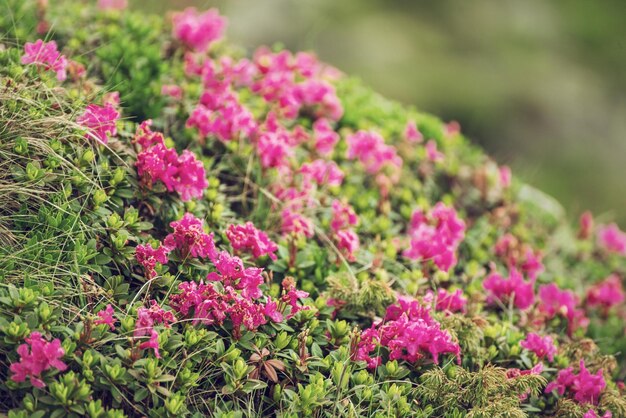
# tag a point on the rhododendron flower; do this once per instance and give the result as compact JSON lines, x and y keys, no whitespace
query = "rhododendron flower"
{"x":325,"y":137}
{"x":152,"y":342}
{"x":607,"y":293}
{"x":226,"y":122}
{"x":411,"y":133}
{"x":343,"y":216}
{"x":100,"y":121}
{"x":409,"y":333}
{"x":505,"y":176}
{"x":514,"y":286}
{"x":271,"y":311}
{"x":554,"y":301}
{"x":541,"y":346}
{"x":148,"y":257}
{"x":451,"y":302}
{"x":586,"y":225}
{"x":190,"y":239}
{"x":190,"y":180}
{"x":435,"y":236}
{"x":452,"y":128}
{"x":112,"y":4}
{"x":112,"y":97}
{"x":322,"y":172}
{"x":198,"y":30}
{"x":106,"y":317}
{"x":584,"y":386}
{"x":248,"y":238}
{"x":295,"y":223}
{"x":37,"y":356}
{"x":432,"y":153}
{"x":348,"y":243}
{"x":292,"y":295}
{"x":173,"y":91}
{"x":612,"y":239}
{"x":231,"y":272}
{"x":371,"y":150}
{"x":46,"y":55}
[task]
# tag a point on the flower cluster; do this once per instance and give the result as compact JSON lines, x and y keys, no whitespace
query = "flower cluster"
{"x":513,"y":288}
{"x":106,"y":317}
{"x":370,"y":149}
{"x":554,"y":301}
{"x":606,"y":293}
{"x":543,"y":347}
{"x":518,"y":255}
{"x":612,"y":239}
{"x":343,"y":219}
{"x":435,"y":236}
{"x":198,"y":30}
{"x":322,"y":172}
{"x":325,"y":137}
{"x":247,"y":237}
{"x":155,"y":162}
{"x":409,"y":333}
{"x":100,"y":120}
{"x":147,"y":318}
{"x":450,"y":301}
{"x":148,"y":257}
{"x":112,"y":4}
{"x":584,"y":386}
{"x":232,"y":274}
{"x":46,"y":55}
{"x":190,"y":239}
{"x":411,"y":133}
{"x":37,"y":356}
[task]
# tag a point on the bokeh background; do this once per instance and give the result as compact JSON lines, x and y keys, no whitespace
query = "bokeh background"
{"x":540,"y":85}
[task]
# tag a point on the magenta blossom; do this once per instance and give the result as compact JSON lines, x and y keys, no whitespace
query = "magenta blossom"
{"x":248,"y":238}
{"x":411,"y":133}
{"x":554,"y":301}
{"x":46,"y":55}
{"x":451,"y":301}
{"x":542,"y":346}
{"x":584,"y":386}
{"x":504,"y":176}
{"x":371,"y":150}
{"x":295,"y":223}
{"x":343,"y":216}
{"x":325,"y":137}
{"x":348,"y":243}
{"x":173,"y":91}
{"x":432,"y":153}
{"x":190,"y":239}
{"x":232,"y":273}
{"x":322,"y":172}
{"x":607,"y":293}
{"x":148,"y":257}
{"x":612,"y":239}
{"x":586,"y":225}
{"x":198,"y":30}
{"x":37,"y":356}
{"x":514,"y":287}
{"x":435,"y":236}
{"x":100,"y":121}
{"x":112,"y":4}
{"x":106,"y":317}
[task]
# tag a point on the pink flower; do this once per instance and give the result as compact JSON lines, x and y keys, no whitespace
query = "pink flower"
{"x":227,"y":121}
{"x":432,"y":153}
{"x":46,"y":55}
{"x":112,"y":97}
{"x":291,"y":296}
{"x":231,"y":272}
{"x":248,"y":238}
{"x":554,"y":301}
{"x":100,"y":121}
{"x":607,"y":293}
{"x":586,"y":225}
{"x":148,"y":257}
{"x":411,"y":133}
{"x":112,"y":4}
{"x":612,"y":239}
{"x":295,"y":223}
{"x":585,"y":387}
{"x":271,"y":311}
{"x":105,"y":317}
{"x":435,"y":236}
{"x":409,"y":333}
{"x":370,"y":148}
{"x":198,"y":30}
{"x":505,"y":176}
{"x":322,"y":172}
{"x":541,"y":346}
{"x":190,"y":239}
{"x":348,"y":243}
{"x":343,"y":216}
{"x":152,"y":342}
{"x":514,"y":286}
{"x":325,"y":137}
{"x":37,"y":356}
{"x":190,"y":180}
{"x":451,"y":302}
{"x":592,"y":414}
{"x":173,"y":91}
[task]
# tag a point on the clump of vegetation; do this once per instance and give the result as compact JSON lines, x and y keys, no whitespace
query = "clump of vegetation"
{"x":277,"y":240}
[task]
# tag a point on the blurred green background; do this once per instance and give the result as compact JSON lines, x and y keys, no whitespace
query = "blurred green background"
{"x":541,"y":85}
